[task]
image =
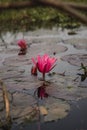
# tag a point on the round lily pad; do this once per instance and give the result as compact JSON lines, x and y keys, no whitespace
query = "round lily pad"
{"x":22,"y":106}
{"x":76,"y":59}
{"x":78,"y":43}
{"x":49,"y":48}
{"x":10,"y":72}
{"x":17,"y":61}
{"x":57,"y":109}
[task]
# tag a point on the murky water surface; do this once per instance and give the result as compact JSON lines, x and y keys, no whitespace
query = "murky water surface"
{"x":66,"y":104}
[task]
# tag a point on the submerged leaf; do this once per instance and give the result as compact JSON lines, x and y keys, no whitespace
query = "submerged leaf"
{"x":43,"y":110}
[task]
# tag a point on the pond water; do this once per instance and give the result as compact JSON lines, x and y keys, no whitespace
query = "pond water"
{"x":66,"y":104}
{"x":75,"y":120}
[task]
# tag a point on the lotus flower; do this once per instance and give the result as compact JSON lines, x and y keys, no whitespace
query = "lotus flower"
{"x":44,"y":64}
{"x":23,"y":46}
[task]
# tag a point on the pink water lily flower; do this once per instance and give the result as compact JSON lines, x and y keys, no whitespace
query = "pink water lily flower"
{"x":34,"y":70}
{"x":23,"y":46}
{"x":22,"y":43}
{"x":44,"y":63}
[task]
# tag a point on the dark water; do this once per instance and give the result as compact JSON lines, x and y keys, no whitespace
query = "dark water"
{"x":76,"y":120}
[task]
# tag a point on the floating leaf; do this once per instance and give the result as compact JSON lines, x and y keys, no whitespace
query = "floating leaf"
{"x":43,"y":110}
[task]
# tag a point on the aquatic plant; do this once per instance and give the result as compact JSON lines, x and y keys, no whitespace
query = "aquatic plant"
{"x":5,"y":124}
{"x":34,"y":70}
{"x":84,"y":75}
{"x":44,"y":64}
{"x":23,"y":47}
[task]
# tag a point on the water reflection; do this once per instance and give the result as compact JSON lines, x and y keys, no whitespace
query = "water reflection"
{"x":78,"y":109}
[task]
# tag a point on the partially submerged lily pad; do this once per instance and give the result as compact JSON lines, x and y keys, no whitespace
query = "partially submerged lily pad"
{"x":27,"y":83}
{"x":17,"y":60}
{"x":10,"y":72}
{"x":48,"y":48}
{"x":57,"y":109}
{"x":22,"y":106}
{"x":78,"y":43}
{"x":76,"y":59}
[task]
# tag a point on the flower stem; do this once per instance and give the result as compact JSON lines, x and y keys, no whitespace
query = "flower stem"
{"x":43,"y":76}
